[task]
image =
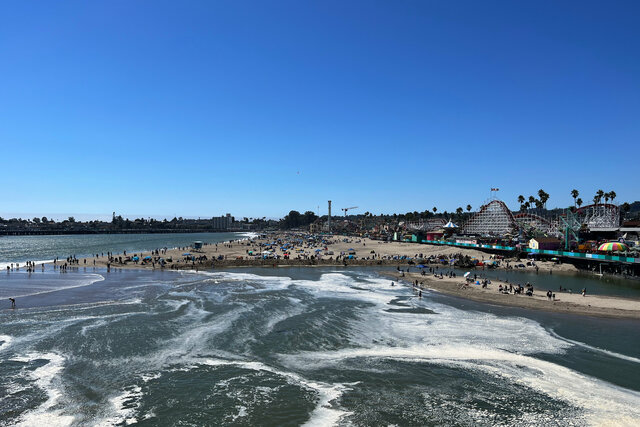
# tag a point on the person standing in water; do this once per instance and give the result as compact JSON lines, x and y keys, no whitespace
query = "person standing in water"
{"x":13,"y":302}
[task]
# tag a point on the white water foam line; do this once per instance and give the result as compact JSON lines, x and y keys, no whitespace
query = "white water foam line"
{"x":324,"y":414}
{"x":597,"y":349}
{"x":5,"y":342}
{"x":46,"y":378}
{"x":125,"y":406}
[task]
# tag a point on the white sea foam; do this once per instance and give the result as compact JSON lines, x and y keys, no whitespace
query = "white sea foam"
{"x":125,"y":406}
{"x":5,"y":342}
{"x":325,"y":413}
{"x":46,"y":378}
{"x":597,"y":349}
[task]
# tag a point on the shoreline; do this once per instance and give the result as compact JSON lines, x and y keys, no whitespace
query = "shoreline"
{"x":333,"y":252}
{"x":589,"y":305}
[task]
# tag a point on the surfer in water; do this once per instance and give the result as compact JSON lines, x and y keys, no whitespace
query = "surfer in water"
{"x":13,"y":302}
{"x":392,"y":284}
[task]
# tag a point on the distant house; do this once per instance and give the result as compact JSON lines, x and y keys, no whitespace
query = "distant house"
{"x":544,"y":243}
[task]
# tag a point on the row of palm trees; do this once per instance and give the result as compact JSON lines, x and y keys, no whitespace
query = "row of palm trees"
{"x":541,"y":201}
{"x":577,"y":202}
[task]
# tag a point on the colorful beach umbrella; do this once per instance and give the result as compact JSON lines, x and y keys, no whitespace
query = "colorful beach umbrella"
{"x":613,"y":247}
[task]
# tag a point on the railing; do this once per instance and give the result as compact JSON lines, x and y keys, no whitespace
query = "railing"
{"x":581,"y":255}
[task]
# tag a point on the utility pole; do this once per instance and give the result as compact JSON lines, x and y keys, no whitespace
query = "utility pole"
{"x":329,"y":217}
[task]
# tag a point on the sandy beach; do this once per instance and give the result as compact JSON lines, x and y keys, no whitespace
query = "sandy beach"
{"x":250,"y":252}
{"x":366,"y":252}
{"x":573,"y":303}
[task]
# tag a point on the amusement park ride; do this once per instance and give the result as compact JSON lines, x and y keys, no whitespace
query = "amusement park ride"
{"x":494,"y":219}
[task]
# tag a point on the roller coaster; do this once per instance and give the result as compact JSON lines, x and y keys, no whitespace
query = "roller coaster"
{"x":495,"y":219}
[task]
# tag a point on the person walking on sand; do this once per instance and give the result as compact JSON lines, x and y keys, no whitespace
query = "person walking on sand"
{"x":13,"y":302}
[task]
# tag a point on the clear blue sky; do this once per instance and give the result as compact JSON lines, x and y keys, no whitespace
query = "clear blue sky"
{"x":258,"y":107}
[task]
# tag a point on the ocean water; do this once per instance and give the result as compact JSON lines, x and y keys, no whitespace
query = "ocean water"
{"x":296,"y":346}
{"x":45,"y":248}
{"x":542,"y":281}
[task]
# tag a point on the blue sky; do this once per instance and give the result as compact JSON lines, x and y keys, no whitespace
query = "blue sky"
{"x":255,"y":108}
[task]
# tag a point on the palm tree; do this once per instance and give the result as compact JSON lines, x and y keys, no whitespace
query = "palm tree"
{"x":459,"y":211}
{"x":579,"y":202}
{"x":468,"y":208}
{"x":599,"y":195}
{"x":521,"y":199}
{"x":574,"y":193}
{"x":596,"y":200}
{"x":544,"y":196}
{"x":527,"y":205}
{"x":612,"y":195}
{"x":606,"y":197}
{"x":435,"y":210}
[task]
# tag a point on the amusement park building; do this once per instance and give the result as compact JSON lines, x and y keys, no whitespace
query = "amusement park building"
{"x":544,"y":243}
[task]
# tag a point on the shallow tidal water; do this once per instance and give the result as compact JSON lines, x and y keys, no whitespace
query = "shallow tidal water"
{"x":296,"y":346}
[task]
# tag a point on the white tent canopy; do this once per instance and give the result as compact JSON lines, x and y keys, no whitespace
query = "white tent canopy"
{"x":450,"y":224}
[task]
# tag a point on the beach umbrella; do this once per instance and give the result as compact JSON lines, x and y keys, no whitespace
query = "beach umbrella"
{"x":467,"y":273}
{"x":613,"y":247}
{"x":318,"y":250}
{"x":186,"y":254}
